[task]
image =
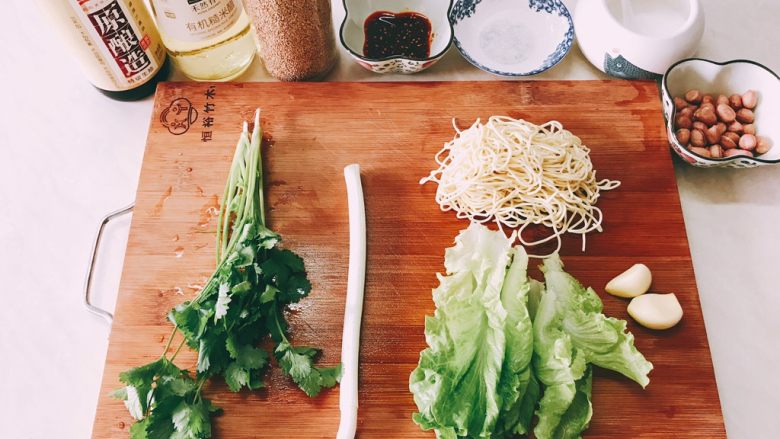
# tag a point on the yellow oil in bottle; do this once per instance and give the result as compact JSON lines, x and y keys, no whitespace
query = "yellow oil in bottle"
{"x":209,"y":40}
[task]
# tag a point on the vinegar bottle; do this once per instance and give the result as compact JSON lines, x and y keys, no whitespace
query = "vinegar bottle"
{"x":210,"y":40}
{"x":114,"y":41}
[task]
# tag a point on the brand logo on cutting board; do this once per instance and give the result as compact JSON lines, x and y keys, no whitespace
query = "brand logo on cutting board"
{"x":179,"y":116}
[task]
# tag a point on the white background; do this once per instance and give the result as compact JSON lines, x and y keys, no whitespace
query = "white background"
{"x":68,"y":155}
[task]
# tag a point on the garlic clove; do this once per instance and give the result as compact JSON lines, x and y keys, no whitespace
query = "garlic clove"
{"x":656,"y":311}
{"x":631,"y":283}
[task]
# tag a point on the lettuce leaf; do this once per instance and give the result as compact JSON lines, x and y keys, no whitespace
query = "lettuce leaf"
{"x":455,"y":383}
{"x":570,"y":333}
{"x":503,"y":347}
{"x":603,"y":340}
{"x":516,"y":373}
{"x":557,"y":362}
{"x":577,"y":417}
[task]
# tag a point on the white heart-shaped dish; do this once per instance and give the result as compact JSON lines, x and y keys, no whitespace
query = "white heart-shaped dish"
{"x":727,"y":78}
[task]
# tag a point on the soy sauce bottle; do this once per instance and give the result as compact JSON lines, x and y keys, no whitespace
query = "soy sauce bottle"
{"x":114,"y":41}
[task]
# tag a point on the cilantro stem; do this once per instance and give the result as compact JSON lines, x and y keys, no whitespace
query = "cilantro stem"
{"x":177,"y":350}
{"x":240,"y":185}
{"x":201,"y":381}
{"x":210,"y":284}
{"x":257,"y":135}
{"x":170,"y":339}
{"x":223,"y":221}
{"x":282,"y":335}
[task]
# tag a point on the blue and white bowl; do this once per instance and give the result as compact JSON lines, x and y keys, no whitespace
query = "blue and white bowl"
{"x":512,"y":37}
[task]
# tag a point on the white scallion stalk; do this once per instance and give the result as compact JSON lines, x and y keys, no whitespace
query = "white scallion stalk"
{"x":353,"y":311}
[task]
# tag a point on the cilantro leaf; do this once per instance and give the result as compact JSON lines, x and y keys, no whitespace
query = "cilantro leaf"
{"x":269,"y":294}
{"x":298,"y":287}
{"x":159,"y":424}
{"x":223,"y":300}
{"x":275,"y":272}
{"x":289,"y":259}
{"x":252,"y":357}
{"x":241,"y":287}
{"x":155,"y":393}
{"x":140,"y":382}
{"x":133,"y":402}
{"x":192,"y":420}
{"x":236,"y":377}
{"x":212,"y":352}
{"x":297,"y":362}
{"x":191,"y":319}
{"x":138,"y":430}
{"x":265,"y":237}
{"x":231,"y":345}
{"x":248,"y":359}
{"x":178,"y":386}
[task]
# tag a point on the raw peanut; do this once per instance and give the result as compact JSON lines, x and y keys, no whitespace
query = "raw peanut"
{"x":704,"y":152}
{"x":679,"y":103}
{"x":750,"y":99}
{"x":716,"y":151}
{"x":682,"y":122}
{"x":736,"y":127}
{"x":707,"y":105}
{"x":706,"y":114}
{"x":698,"y":139}
{"x":749,"y":129}
{"x":699,"y":126}
{"x":721,"y":128}
{"x":727,"y":142}
{"x":745,"y":115}
{"x":748,"y":142}
{"x":707,"y":99}
{"x":722,"y":100}
{"x":735,"y":101}
{"x":706,"y":108}
{"x":732,"y":135}
{"x":726,"y":113}
{"x":735,"y":152}
{"x":687,"y":112}
{"x":693,"y":96}
{"x":712,"y":134}
{"x":683,"y":136}
{"x":763,"y":146}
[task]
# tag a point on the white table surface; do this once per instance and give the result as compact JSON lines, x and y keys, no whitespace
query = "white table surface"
{"x":68,"y":155}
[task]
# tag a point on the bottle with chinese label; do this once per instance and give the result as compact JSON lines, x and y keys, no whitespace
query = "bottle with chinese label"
{"x":210,"y":40}
{"x":115,"y":41}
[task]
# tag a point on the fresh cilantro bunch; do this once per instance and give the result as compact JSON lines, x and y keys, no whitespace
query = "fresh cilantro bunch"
{"x":166,"y":402}
{"x":241,"y":304}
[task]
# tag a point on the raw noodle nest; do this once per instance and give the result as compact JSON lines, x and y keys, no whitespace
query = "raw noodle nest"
{"x":518,"y":173}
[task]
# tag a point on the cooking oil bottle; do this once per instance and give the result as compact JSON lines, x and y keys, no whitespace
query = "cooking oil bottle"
{"x":209,"y":40}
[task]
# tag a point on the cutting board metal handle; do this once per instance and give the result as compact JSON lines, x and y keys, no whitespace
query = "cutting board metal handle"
{"x":93,"y":258}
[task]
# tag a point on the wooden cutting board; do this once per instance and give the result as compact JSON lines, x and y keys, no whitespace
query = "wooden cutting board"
{"x":393,"y":131}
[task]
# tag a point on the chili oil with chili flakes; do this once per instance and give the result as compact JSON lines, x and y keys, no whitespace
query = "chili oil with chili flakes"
{"x":406,"y":34}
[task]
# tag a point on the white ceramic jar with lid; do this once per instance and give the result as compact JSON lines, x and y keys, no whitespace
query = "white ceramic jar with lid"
{"x":637,"y":39}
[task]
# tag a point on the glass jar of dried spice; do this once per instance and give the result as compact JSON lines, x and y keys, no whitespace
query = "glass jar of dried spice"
{"x":295,"y":37}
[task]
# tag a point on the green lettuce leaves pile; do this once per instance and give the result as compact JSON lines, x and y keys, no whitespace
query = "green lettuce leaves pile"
{"x":503,"y":347}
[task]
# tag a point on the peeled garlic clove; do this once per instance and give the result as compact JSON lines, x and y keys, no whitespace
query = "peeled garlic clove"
{"x":631,"y":283}
{"x":656,"y":311}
